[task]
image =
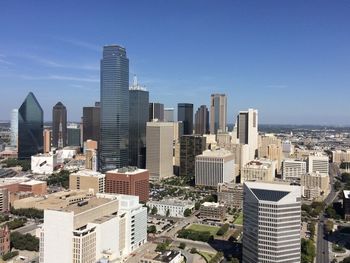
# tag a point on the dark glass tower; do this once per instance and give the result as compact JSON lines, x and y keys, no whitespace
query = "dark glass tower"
{"x":30,"y":128}
{"x":185,"y":114}
{"x":156,"y":111}
{"x":59,"y":125}
{"x":91,"y":123}
{"x":202,"y":120}
{"x":114,"y":133}
{"x":138,"y":117}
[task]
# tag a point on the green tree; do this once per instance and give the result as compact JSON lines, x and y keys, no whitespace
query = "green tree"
{"x":197,"y":205}
{"x":187,"y":212}
{"x":223,"y":229}
{"x":24,"y":242}
{"x":154,"y":210}
{"x":337,"y":186}
{"x":10,"y":255}
{"x":161,"y":247}
{"x":152,"y":229}
{"x":328,"y":226}
{"x":346,"y":260}
{"x":193,"y":250}
{"x":182,"y":245}
{"x":307,"y":251}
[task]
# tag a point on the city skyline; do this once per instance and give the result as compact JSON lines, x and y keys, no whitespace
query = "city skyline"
{"x":284,"y":53}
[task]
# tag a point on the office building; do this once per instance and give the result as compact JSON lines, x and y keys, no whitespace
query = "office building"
{"x":218,"y":113}
{"x":287,"y":148}
{"x":47,"y":141}
{"x":59,"y":125}
{"x":30,"y":128}
{"x":230,"y":194}
{"x":44,"y":163}
{"x":103,"y":228}
{"x":258,"y":170}
{"x":138,"y":117}
{"x":213,"y":167}
{"x":247,"y":131}
{"x":270,"y":147}
{"x":87,"y":180}
{"x":73,"y":136}
{"x":4,"y":200}
{"x":201,"y":120}
{"x":341,"y":156}
{"x":91,"y":123}
{"x":169,"y":114}
{"x":114,"y":129}
{"x":212,"y":211}
{"x":14,"y":127}
{"x":271,"y":223}
{"x":293,"y":169}
{"x":190,"y":147}
{"x":185,"y":114}
{"x":346,"y":204}
{"x":91,"y":159}
{"x":128,"y":181}
{"x":171,"y":207}
{"x":159,"y":150}
{"x":317,"y":162}
{"x":5,"y":239}
{"x":317,"y":181}
{"x":156,"y":111}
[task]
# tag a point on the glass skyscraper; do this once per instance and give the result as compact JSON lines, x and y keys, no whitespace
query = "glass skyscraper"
{"x":59,"y":125}
{"x":185,"y":114}
{"x":114,"y":133}
{"x":138,"y":114}
{"x":30,"y":128}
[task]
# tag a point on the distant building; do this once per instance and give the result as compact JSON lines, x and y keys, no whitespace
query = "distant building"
{"x":293,"y":169}
{"x":4,"y":200}
{"x":340,"y":156}
{"x":73,"y":135}
{"x":213,"y":167}
{"x":47,"y":140}
{"x":247,"y":131}
{"x":5,"y":239}
{"x":156,"y":111}
{"x":318,"y":181}
{"x":230,"y":194}
{"x":271,"y":222}
{"x":201,"y":120}
{"x":318,"y":163}
{"x":44,"y":163}
{"x":59,"y":125}
{"x":212,"y":211}
{"x":218,"y":113}
{"x":91,"y":159}
{"x":91,"y":123}
{"x":30,"y":128}
{"x":346,"y":204}
{"x":14,"y":127}
{"x":258,"y":170}
{"x":175,"y":207}
{"x":172,"y":256}
{"x":128,"y":181}
{"x":169,"y":114}
{"x":190,"y":147}
{"x":185,"y":115}
{"x":86,"y":180}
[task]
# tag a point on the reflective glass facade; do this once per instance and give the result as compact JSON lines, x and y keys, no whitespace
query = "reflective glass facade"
{"x":59,"y":125}
{"x":114,"y":133}
{"x":30,"y":128}
{"x":185,"y":114}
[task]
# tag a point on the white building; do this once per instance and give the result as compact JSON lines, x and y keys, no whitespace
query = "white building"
{"x":293,"y":169}
{"x":43,"y":163}
{"x":106,"y":227}
{"x":175,"y":207}
{"x":287,"y":148}
{"x":247,"y":130}
{"x":14,"y":127}
{"x":213,"y":167}
{"x":259,"y":170}
{"x":271,"y":222}
{"x":318,"y":163}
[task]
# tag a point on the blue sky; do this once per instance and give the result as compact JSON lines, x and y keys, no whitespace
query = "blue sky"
{"x":289,"y":59}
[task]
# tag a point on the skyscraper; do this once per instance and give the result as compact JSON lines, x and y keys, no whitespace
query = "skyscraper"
{"x":114,"y":108}
{"x":271,"y":223}
{"x":30,"y":128}
{"x":185,"y":114}
{"x":59,"y":125}
{"x":201,"y":120}
{"x":247,"y":130}
{"x":91,"y":123}
{"x":156,"y":111}
{"x":47,"y":140}
{"x":218,"y":113}
{"x":138,"y":117}
{"x":169,"y":114}
{"x":14,"y":127}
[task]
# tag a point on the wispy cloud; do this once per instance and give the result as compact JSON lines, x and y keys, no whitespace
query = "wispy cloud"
{"x":60,"y":77}
{"x":277,"y":86}
{"x":3,"y":60}
{"x":80,"y":43}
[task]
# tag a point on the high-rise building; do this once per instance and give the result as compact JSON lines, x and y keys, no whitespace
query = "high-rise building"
{"x":247,"y":130}
{"x":59,"y":125}
{"x":293,"y":169}
{"x":169,"y":114}
{"x":14,"y":127}
{"x":156,"y":111}
{"x":73,"y":136}
{"x":91,"y":123}
{"x":318,"y":163}
{"x":128,"y":181}
{"x":138,"y":117}
{"x":30,"y":128}
{"x":159,"y":150}
{"x":271,"y":223}
{"x":201,"y":120}
{"x":190,"y":147}
{"x":218,"y":113}
{"x":185,"y":114}
{"x":47,"y":141}
{"x":114,"y":133}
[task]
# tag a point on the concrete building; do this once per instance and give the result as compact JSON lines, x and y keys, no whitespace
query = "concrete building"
{"x":318,"y":163}
{"x":44,"y":163}
{"x":159,"y":150}
{"x":128,"y":181}
{"x":47,"y":141}
{"x":259,"y":170}
{"x":73,"y":135}
{"x":190,"y":147}
{"x":156,"y":111}
{"x":36,"y":187}
{"x":270,"y":147}
{"x":218,"y":113}
{"x":230,"y":194}
{"x":287,"y":148}
{"x":59,"y":125}
{"x":14,"y":128}
{"x":4,"y":200}
{"x":175,"y":207}
{"x":293,"y":169}
{"x":172,"y":256}
{"x":91,"y":159}
{"x":213,"y":167}
{"x":86,"y":180}
{"x":271,"y":223}
{"x":185,"y":115}
{"x":340,"y":156}
{"x":247,"y":131}
{"x":5,"y":239}
{"x":105,"y":228}
{"x":319,"y":181}
{"x":169,"y":115}
{"x":201,"y":120}
{"x":346,"y":204}
{"x":212,"y":211}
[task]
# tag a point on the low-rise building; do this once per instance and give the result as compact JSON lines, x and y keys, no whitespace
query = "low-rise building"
{"x":340,"y":156}
{"x":319,"y":181}
{"x":44,"y":163}
{"x":230,"y":194}
{"x":259,"y":170}
{"x":87,"y":179}
{"x":172,"y":256}
{"x":212,"y":211}
{"x":318,"y":162}
{"x":4,"y":200}
{"x":171,"y":207}
{"x":293,"y":169}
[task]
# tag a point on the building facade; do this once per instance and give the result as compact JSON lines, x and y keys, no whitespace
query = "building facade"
{"x":14,"y":127}
{"x":218,"y":113}
{"x":59,"y":125}
{"x":185,"y":115}
{"x":230,"y":194}
{"x":169,"y":114}
{"x":247,"y":131}
{"x":173,"y":207}
{"x":91,"y":123}
{"x":212,"y":211}
{"x":293,"y":169}
{"x":258,"y":170}
{"x":318,"y":163}
{"x":86,"y":180}
{"x":201,"y":120}
{"x":156,"y":111}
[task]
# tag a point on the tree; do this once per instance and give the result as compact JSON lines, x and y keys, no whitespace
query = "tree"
{"x":307,"y":251}
{"x":345,"y":177}
{"x":346,"y":260}
{"x":161,"y":247}
{"x":234,"y":260}
{"x":167,"y":213}
{"x":328,"y":226}
{"x":187,"y":212}
{"x":154,"y":210}
{"x":152,"y":229}
{"x":337,"y":186}
{"x":223,"y":229}
{"x":24,"y":242}
{"x":193,"y":250}
{"x":182,"y":245}
{"x":197,"y":205}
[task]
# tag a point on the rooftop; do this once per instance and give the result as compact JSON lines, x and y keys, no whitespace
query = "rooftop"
{"x":128,"y":170}
{"x":166,"y":256}
{"x":93,"y":202}
{"x":346,"y":194}
{"x":211,"y":204}
{"x":216,"y":153}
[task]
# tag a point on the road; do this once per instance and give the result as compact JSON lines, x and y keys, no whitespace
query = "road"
{"x":322,"y":254}
{"x":26,"y":229}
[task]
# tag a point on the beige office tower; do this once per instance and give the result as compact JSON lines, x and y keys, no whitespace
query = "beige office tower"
{"x":47,"y":141}
{"x":340,"y":156}
{"x":218,"y":113}
{"x":270,"y":147}
{"x":90,"y":145}
{"x":86,"y":180}
{"x":91,"y":159}
{"x":159,"y":149}
{"x":247,"y":130}
{"x":258,"y":170}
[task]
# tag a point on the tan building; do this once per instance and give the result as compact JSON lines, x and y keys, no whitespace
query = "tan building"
{"x":87,"y":179}
{"x":212,"y":211}
{"x":47,"y":141}
{"x":159,"y":151}
{"x":316,"y":181}
{"x":258,"y":170}
{"x":90,"y":145}
{"x":4,"y":200}
{"x":91,"y":159}
{"x":33,"y":186}
{"x":270,"y":147}
{"x":230,"y":194}
{"x":340,"y":156}
{"x":218,"y":113}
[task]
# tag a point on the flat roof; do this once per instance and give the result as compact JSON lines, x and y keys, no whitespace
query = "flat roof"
{"x":91,"y":203}
{"x":32,"y":182}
